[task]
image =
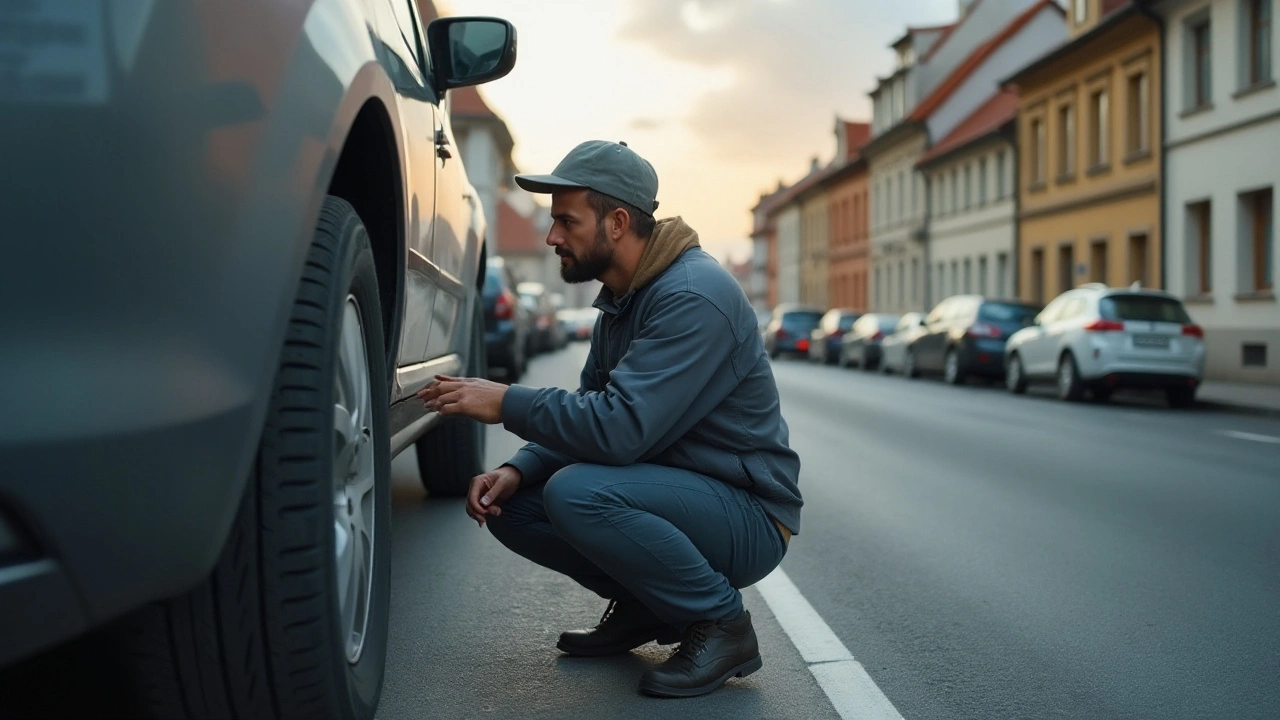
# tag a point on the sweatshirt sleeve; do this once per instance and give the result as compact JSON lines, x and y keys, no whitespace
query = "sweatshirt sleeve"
{"x":536,"y":463}
{"x":681,"y":344}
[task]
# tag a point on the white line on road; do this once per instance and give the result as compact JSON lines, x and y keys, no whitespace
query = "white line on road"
{"x":1237,"y":434}
{"x":847,"y":685}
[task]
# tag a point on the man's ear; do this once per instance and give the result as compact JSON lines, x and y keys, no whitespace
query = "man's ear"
{"x":621,"y":221}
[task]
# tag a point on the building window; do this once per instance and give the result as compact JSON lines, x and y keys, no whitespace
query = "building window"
{"x":879,"y":295}
{"x":955,"y":190}
{"x":1258,"y":41}
{"x":1080,"y":11}
{"x":1098,"y":262}
{"x":968,"y":275}
{"x":1099,"y":128}
{"x":982,"y":275}
{"x":982,"y":182}
{"x":1066,"y":267}
{"x":1199,"y":93}
{"x":1038,"y":150}
{"x":1066,"y":141}
{"x":1138,"y":259}
{"x":902,"y":283}
{"x":968,"y":186}
{"x":1002,"y":275}
{"x":915,"y":280}
{"x":955,"y":277}
{"x":1258,"y":246}
{"x":1200,"y":247}
{"x":902,"y":195}
{"x":1001,"y":185}
{"x":1037,"y":275}
{"x":1139,"y":113}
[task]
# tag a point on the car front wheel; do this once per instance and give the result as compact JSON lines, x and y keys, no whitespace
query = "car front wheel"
{"x":1014,"y":378}
{"x":293,"y":621}
{"x":1070,"y":387}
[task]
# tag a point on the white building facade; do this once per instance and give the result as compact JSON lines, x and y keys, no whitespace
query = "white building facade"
{"x":787,"y":224}
{"x":1222,"y":128}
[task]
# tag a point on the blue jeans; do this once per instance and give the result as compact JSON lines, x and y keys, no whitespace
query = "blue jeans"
{"x":679,"y":542}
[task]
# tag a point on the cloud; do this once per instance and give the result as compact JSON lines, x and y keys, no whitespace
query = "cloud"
{"x":794,"y":65}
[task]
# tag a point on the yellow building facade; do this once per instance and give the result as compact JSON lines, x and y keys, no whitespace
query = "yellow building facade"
{"x":1089,"y":156}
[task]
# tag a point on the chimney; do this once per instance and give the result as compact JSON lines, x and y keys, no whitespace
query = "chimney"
{"x":813,"y":165}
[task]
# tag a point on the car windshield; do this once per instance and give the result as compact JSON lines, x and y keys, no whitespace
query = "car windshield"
{"x":846,"y":322}
{"x":1143,"y":308}
{"x":887,"y":323}
{"x":1007,"y":312}
{"x":801,"y":320}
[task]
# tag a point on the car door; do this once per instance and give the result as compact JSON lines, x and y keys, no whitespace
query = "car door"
{"x":1037,"y":351}
{"x":928,"y":347}
{"x":407,"y":65}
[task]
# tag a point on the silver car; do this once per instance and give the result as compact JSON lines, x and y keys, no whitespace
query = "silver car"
{"x":1099,"y":339}
{"x":238,"y":240}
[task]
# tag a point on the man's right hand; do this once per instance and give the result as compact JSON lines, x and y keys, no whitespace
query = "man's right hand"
{"x":488,"y":491}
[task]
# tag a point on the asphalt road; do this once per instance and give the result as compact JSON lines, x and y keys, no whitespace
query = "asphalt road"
{"x":982,"y":555}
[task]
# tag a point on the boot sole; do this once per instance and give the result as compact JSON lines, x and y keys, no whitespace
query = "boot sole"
{"x":658,"y":690}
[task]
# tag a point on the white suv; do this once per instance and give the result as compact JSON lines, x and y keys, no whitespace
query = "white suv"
{"x":1100,"y":339}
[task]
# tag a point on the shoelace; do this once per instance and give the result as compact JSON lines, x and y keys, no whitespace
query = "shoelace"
{"x":607,"y":612}
{"x":695,"y":643}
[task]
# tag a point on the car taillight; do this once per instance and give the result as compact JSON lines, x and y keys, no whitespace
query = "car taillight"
{"x":837,"y":333}
{"x":802,"y":345}
{"x":504,"y":306}
{"x":878,"y":336}
{"x":983,"y":330}
{"x":1105,"y":326}
{"x":1193,"y":330}
{"x":782,"y":334}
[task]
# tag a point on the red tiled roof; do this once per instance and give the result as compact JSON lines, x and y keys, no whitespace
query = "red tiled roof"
{"x":516,"y":233}
{"x":931,"y":28}
{"x":1110,"y":6}
{"x":856,"y":135}
{"x":999,"y":109}
{"x":975,"y":59}
{"x":467,"y":101}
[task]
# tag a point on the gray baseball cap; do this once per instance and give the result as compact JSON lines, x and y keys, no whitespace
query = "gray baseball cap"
{"x":607,"y":167}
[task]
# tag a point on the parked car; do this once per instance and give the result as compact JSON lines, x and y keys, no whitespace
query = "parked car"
{"x":824,"y":340}
{"x":506,"y":322}
{"x":861,"y":345}
{"x":216,"y":354}
{"x":578,"y":323}
{"x":547,"y":335}
{"x":789,"y":327}
{"x":893,"y":349}
{"x":965,"y":335}
{"x":1101,"y":339}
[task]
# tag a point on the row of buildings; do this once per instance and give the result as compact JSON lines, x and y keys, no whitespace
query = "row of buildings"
{"x":1029,"y":147}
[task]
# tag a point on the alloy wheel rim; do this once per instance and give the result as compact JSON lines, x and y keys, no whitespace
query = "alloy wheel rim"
{"x":1066,"y":375}
{"x":353,"y":481}
{"x":1015,"y":373}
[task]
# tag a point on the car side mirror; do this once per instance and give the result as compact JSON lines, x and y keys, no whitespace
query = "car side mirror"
{"x":470,"y":50}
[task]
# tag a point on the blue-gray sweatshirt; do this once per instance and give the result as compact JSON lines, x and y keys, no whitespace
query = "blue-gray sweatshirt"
{"x":677,"y":375}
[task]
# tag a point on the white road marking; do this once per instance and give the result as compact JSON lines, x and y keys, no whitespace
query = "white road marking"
{"x":847,"y":685}
{"x":1237,"y":434}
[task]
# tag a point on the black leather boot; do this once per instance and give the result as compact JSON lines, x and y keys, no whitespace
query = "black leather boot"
{"x":712,"y":652}
{"x":625,"y":625}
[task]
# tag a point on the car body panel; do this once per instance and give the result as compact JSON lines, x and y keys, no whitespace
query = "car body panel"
{"x":170,"y":193}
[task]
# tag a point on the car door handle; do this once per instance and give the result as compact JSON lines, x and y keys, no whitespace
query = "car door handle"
{"x":442,"y":145}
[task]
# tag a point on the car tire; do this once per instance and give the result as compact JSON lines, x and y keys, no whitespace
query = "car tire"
{"x":1180,"y":397}
{"x":951,"y":371}
{"x":909,"y":365}
{"x":1015,"y":379}
{"x":1070,"y":387}
{"x":453,"y":452}
{"x":268,"y":635}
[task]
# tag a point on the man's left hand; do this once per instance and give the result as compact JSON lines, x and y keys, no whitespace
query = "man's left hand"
{"x":473,"y":397}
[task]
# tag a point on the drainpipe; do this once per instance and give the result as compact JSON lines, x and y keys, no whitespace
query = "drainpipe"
{"x":1144,"y":9}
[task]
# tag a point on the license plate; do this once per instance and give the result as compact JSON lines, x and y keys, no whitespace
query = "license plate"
{"x":1151,"y":341}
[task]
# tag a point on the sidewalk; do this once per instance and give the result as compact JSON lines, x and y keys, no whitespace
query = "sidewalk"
{"x":1244,"y":397}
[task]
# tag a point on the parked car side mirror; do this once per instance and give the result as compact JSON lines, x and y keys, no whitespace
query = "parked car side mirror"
{"x":470,"y":50}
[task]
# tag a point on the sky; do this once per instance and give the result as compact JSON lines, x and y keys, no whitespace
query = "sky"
{"x":724,"y":97}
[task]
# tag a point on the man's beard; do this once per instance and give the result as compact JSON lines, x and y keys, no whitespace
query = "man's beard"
{"x":592,"y":264}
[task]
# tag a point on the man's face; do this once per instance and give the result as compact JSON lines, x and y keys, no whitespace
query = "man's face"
{"x":578,"y":238}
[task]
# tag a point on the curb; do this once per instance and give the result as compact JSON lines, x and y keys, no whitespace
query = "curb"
{"x":1223,"y":406}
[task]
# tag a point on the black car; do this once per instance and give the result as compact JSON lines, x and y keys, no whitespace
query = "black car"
{"x":506,"y":321}
{"x":789,"y":328}
{"x":861,"y":345}
{"x":965,"y":335}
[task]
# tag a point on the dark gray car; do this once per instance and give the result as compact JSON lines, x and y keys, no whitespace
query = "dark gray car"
{"x":238,"y":240}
